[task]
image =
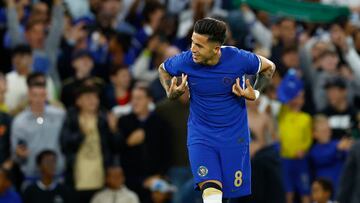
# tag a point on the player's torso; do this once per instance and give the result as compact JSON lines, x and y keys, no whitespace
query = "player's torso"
{"x":214,"y":110}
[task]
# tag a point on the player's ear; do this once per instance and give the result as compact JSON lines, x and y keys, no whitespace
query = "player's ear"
{"x":217,"y":49}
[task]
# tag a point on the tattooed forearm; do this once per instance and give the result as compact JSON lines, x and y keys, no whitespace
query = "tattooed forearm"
{"x":165,"y":78}
{"x":263,"y":78}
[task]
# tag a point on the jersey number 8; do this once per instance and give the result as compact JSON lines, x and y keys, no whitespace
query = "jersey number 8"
{"x":238,"y":178}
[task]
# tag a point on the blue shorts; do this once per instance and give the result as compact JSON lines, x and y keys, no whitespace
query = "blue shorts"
{"x":230,"y":166}
{"x":296,"y":176}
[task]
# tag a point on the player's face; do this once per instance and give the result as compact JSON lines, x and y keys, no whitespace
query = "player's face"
{"x":202,"y":49}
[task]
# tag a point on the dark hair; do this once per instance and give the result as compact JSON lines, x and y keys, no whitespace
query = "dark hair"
{"x":213,"y":28}
{"x":151,"y":7}
{"x":116,"y":68}
{"x":123,"y":40}
{"x":144,"y":87}
{"x":33,"y":80}
{"x":290,"y":49}
{"x":85,"y":89}
{"x":283,"y":19}
{"x":44,"y":153}
{"x":31,"y":23}
{"x":326,"y":185}
{"x":21,"y":49}
{"x":335,"y":81}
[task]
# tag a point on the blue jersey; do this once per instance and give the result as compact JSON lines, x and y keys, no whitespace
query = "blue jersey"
{"x":217,"y":116}
{"x":327,"y":161}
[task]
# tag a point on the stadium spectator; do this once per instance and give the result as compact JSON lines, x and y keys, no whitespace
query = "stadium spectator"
{"x":7,"y":193}
{"x":48,"y":188}
{"x":341,"y":114}
{"x":349,"y":185}
{"x":83,"y":64}
{"x":118,"y":92}
{"x":85,"y":142}
{"x":116,"y":191}
{"x":286,"y":37}
{"x":322,"y":191}
{"x":295,"y":138}
{"x":152,"y":13}
{"x":36,"y":128}
{"x":5,"y":122}
{"x":16,"y":94}
{"x":327,"y":156}
{"x":45,"y":47}
{"x":3,"y":87}
{"x":145,"y":151}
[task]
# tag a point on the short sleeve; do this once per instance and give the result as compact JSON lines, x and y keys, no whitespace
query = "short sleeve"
{"x":251,"y":61}
{"x":175,"y":64}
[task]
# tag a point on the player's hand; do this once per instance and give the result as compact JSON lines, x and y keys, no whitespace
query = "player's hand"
{"x":248,"y":93}
{"x":176,"y":91}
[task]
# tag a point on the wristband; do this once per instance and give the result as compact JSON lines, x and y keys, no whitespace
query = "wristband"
{"x":257,"y":94}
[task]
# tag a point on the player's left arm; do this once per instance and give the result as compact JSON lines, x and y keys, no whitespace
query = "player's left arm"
{"x":263,"y":78}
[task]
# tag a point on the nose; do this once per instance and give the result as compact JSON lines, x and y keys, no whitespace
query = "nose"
{"x":193,"y":48}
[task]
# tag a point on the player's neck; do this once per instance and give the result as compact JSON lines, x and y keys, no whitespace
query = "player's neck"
{"x":214,"y":60}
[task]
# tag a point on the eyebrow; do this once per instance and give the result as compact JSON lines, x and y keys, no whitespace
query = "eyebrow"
{"x":197,"y":44}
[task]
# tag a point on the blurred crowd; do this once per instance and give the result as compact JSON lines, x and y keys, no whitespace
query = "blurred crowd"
{"x":83,"y":116}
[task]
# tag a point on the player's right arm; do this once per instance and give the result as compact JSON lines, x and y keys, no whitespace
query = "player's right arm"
{"x":170,"y":83}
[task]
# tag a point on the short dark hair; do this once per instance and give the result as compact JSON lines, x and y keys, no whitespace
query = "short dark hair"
{"x":335,"y":82}
{"x":86,"y":89}
{"x":283,"y":19}
{"x":144,"y":87}
{"x":33,"y":80}
{"x":150,"y":7}
{"x":31,"y":23}
{"x":326,"y":185}
{"x":21,"y":49}
{"x":290,"y":49}
{"x":44,"y":153}
{"x":116,"y":68}
{"x":213,"y":28}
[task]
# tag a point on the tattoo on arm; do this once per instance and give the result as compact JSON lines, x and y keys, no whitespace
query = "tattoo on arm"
{"x":263,"y":78}
{"x":165,"y":78}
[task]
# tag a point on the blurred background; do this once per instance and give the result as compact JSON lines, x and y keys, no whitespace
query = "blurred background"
{"x":83,"y":116}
